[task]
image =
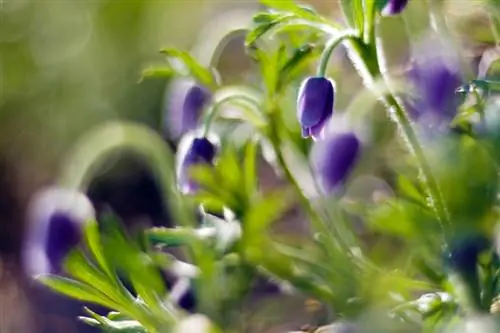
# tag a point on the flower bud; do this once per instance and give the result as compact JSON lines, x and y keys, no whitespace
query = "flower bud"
{"x":200,"y":151}
{"x":55,"y":220}
{"x":315,"y":105}
{"x":392,"y":7}
{"x":435,"y":76}
{"x":334,"y":159}
{"x":185,"y":103}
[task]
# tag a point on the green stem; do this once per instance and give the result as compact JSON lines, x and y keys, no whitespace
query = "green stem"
{"x":215,"y":109}
{"x":369,"y":24}
{"x":93,"y":151}
{"x":367,"y":55}
{"x":330,"y":47}
{"x":275,"y":140}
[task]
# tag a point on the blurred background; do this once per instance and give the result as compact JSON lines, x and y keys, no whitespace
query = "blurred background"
{"x":66,"y":65}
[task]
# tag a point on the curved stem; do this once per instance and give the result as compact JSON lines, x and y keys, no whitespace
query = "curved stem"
{"x":215,"y":109}
{"x":90,"y":154}
{"x":330,"y":47}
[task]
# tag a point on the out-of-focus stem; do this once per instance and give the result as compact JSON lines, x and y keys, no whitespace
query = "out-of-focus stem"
{"x":368,"y":56}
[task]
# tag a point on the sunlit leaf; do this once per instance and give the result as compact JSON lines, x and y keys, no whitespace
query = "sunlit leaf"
{"x":192,"y":66}
{"x":291,"y":6}
{"x":76,"y":290}
{"x":157,"y":72}
{"x":300,"y":57}
{"x":250,"y":168}
{"x":112,"y":326}
{"x":353,"y":12}
{"x":81,"y":269}
{"x":93,"y":240}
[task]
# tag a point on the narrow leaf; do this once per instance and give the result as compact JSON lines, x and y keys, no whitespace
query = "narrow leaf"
{"x":93,"y":240}
{"x":193,"y":67}
{"x":76,"y":290}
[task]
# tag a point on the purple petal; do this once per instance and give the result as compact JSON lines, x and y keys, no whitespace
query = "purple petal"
{"x":334,"y":158}
{"x":315,"y":101}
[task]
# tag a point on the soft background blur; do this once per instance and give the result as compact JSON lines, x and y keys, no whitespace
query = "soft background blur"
{"x":66,"y":65}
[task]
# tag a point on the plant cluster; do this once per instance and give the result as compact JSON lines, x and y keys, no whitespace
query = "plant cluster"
{"x":434,"y":266}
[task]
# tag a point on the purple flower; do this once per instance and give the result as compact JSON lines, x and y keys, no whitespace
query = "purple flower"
{"x":393,"y":7}
{"x":55,"y":221}
{"x":198,"y":151}
{"x":333,"y":159}
{"x":315,"y":105}
{"x":435,"y":76}
{"x":185,"y":103}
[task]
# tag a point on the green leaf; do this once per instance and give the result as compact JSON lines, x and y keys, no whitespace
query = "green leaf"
{"x":140,"y":269}
{"x":124,"y":326}
{"x":93,"y":241}
{"x":410,"y":191}
{"x":293,"y":65}
{"x":213,"y":183}
{"x":172,"y":236}
{"x":191,"y":65}
{"x":250,"y":168}
{"x":157,"y":72}
{"x":291,"y":6}
{"x":265,"y":24}
{"x":264,"y":212}
{"x":76,"y":290}
{"x":229,"y":168}
{"x":79,"y":268}
{"x":353,"y":12}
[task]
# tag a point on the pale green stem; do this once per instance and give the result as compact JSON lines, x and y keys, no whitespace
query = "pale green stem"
{"x":369,"y":57}
{"x":330,"y":47}
{"x":92,"y":152}
{"x":215,"y":109}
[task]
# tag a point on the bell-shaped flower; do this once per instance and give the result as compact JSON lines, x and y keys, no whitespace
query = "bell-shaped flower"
{"x":333,"y":160}
{"x":194,"y":151}
{"x":315,"y":105}
{"x":186,"y":100}
{"x":435,"y":75}
{"x":392,"y":7}
{"x":56,"y":218}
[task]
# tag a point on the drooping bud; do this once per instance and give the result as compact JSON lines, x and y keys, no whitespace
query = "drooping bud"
{"x":333,"y":160}
{"x":391,"y":7}
{"x":435,"y":76}
{"x":315,"y":105}
{"x":198,"y":151}
{"x":185,"y":103}
{"x":56,"y":218}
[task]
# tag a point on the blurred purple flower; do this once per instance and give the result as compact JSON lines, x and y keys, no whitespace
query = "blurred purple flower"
{"x":55,"y":221}
{"x":185,"y":103}
{"x":198,"y":151}
{"x":333,"y":159}
{"x":393,"y":7}
{"x":315,"y":105}
{"x":435,"y":76}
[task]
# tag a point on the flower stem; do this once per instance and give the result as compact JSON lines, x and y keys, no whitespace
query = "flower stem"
{"x":330,"y":47}
{"x":368,"y":56}
{"x":275,"y":140}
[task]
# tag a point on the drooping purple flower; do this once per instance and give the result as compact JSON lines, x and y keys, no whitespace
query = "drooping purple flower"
{"x":392,"y":7}
{"x":55,"y":220}
{"x":197,"y":151}
{"x":435,"y":75}
{"x":333,"y":160}
{"x":185,"y":103}
{"x":315,"y":105}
